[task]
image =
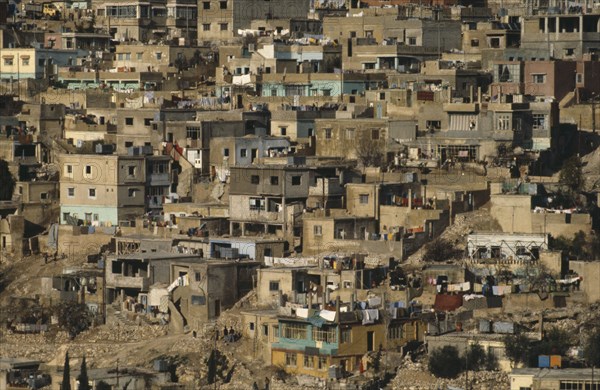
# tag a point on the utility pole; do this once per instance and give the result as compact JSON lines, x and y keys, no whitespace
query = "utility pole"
{"x":594,"y":112}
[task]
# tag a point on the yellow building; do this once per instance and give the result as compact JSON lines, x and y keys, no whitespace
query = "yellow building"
{"x":309,"y":344}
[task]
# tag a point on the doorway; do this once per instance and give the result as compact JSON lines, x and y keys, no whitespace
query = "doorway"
{"x":370,"y":341}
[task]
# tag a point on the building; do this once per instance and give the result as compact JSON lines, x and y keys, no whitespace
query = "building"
{"x":562,"y":36}
{"x":310,"y":341}
{"x":32,"y":63}
{"x":545,"y":378}
{"x":221,"y":20}
{"x":102,"y":190}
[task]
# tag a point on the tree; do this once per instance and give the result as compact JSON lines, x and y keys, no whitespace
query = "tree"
{"x":475,"y":357}
{"x":73,"y":317}
{"x":84,"y":382}
{"x":516,"y":348}
{"x":591,"y":352}
{"x":377,"y":360}
{"x":103,"y":386}
{"x":369,"y":152}
{"x":66,"y":381}
{"x":445,"y":362}
{"x":212,"y":367}
{"x":7,"y":180}
{"x":571,"y":175}
{"x":439,"y":249}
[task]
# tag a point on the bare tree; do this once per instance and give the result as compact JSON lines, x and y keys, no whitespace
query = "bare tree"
{"x":370,"y":152}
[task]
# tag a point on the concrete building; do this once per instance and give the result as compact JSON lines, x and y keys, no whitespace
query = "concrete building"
{"x":221,"y":20}
{"x":24,"y":63}
{"x":506,"y":246}
{"x":173,"y":19}
{"x":330,"y":343}
{"x":563,"y":36}
{"x":102,"y":190}
{"x":545,"y":378}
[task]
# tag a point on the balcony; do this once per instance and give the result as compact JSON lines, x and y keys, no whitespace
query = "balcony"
{"x":461,"y":107}
{"x":159,"y":179}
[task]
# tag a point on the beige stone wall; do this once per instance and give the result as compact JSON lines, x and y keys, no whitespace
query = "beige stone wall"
{"x":512,"y":212}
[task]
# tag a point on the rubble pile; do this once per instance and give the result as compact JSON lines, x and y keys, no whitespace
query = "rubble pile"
{"x":591,"y":167}
{"x":33,"y":346}
{"x":122,"y":333}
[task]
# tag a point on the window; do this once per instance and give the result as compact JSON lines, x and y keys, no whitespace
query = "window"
{"x":41,"y":62}
{"x":579,"y":385}
{"x":273,"y":286}
{"x":70,"y":192}
{"x":495,"y":43}
{"x":283,"y":130}
{"x":363,"y":198}
{"x":128,"y":144}
{"x":8,"y":61}
{"x":539,"y":121}
{"x":326,"y":335}
{"x":128,"y":121}
{"x":96,"y":217}
{"x":290,"y":359}
{"x":91,"y":193}
{"x":309,"y":361}
{"x":474,"y":42}
{"x":257,"y":204}
{"x":251,"y":325}
{"x":274,"y":180}
{"x":569,"y":52}
{"x":147,"y":121}
{"x":412,"y":41}
{"x":296,"y":180}
{"x":197,"y":276}
{"x":43,"y":195}
{"x":539,"y":78}
{"x":205,"y":26}
{"x":223,"y":26}
{"x":158,"y":55}
{"x":503,"y":122}
{"x":25,"y":61}
{"x":346,"y":335}
{"x":293,"y":331}
{"x":375,"y":134}
{"x":131,"y":192}
{"x":273,"y":91}
{"x":433,"y":125}
{"x":206,"y":5}
{"x":579,"y":78}
{"x":88,"y":169}
{"x":198,"y":300}
{"x":322,"y":362}
{"x":243,"y":152}
{"x":326,"y":92}
{"x":223,"y":4}
{"x":226,"y":152}
{"x":265,"y":330}
{"x":395,"y":332}
{"x":254,"y":179}
{"x":131,"y":170}
{"x":327,"y":133}
{"x":349,"y":133}
{"x":318,"y":230}
{"x":139,"y":56}
{"x":193,"y":132}
{"x":69,"y":170}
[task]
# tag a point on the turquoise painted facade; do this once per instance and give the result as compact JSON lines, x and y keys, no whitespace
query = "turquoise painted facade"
{"x":300,"y":345}
{"x":105,"y":214}
{"x":317,"y":88}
